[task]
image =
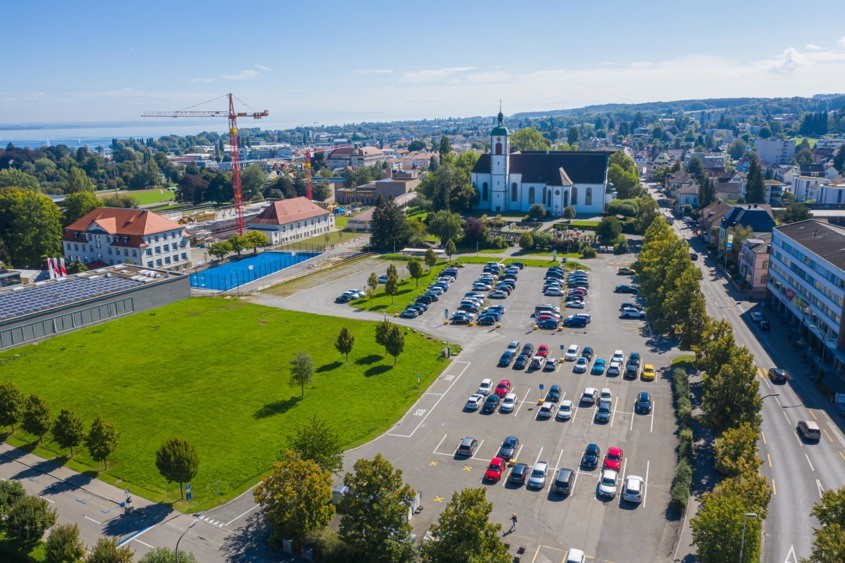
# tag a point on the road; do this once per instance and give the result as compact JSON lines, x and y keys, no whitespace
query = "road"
{"x":797,"y":471}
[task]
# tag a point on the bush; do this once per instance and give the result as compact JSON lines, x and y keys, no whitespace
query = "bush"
{"x":621,"y":247}
{"x":680,"y":383}
{"x":63,"y":544}
{"x":588,"y":251}
{"x":331,"y":548}
{"x":685,"y":444}
{"x":629,"y":226}
{"x":684,"y":410}
{"x":681,"y":486}
{"x":28,"y":519}
{"x":499,"y":242}
{"x":625,"y":207}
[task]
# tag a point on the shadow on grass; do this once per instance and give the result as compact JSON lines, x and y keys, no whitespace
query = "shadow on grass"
{"x":278,"y":407}
{"x":378,"y":307}
{"x":328,"y":367}
{"x":367,"y":360}
{"x":378,"y":370}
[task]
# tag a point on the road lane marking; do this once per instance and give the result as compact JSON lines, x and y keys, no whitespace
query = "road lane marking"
{"x":812,"y":414}
{"x":819,"y":485}
{"x":522,"y":401}
{"x":437,"y":402}
{"x":652,"y":418}
{"x":842,"y":455}
{"x":828,"y":435}
{"x":48,"y":500}
{"x":790,"y":556}
{"x":241,"y":515}
{"x":774,"y":489}
{"x":810,"y":462}
{"x":786,"y":417}
{"x":645,"y":492}
{"x":797,"y":439}
{"x":763,"y":435}
{"x":94,"y":521}
{"x":777,"y":400}
{"x":770,"y":460}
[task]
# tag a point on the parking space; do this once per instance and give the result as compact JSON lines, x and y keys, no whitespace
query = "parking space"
{"x":424,"y":443}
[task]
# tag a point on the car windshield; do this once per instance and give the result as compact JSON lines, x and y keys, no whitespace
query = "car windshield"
{"x":613,"y":456}
{"x":607,"y":480}
{"x":493,"y":466}
{"x":510,"y":441}
{"x":537,"y":473}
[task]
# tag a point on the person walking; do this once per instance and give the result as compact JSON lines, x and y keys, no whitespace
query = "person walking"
{"x":513,"y":522}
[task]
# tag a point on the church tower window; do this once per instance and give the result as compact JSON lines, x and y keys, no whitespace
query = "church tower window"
{"x":531,"y":195}
{"x":484,"y":194}
{"x":514,"y":195}
{"x":574,"y":196}
{"x":588,"y":197}
{"x":498,"y":148}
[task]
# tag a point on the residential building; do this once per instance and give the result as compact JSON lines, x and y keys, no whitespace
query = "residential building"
{"x":401,"y":183}
{"x":677,"y":180}
{"x":728,"y":191}
{"x":806,"y":188}
{"x":775,"y":151}
{"x":754,"y":216}
{"x":293,"y":219}
{"x":688,"y":195}
{"x":754,"y":263}
{"x":774,"y":192}
{"x":807,"y":283}
{"x":508,"y":181}
{"x":709,"y":218}
{"x":342,"y":157}
{"x":418,"y":160}
{"x":107,"y":236}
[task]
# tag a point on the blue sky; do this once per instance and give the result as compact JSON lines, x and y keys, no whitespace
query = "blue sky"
{"x":340,"y":62}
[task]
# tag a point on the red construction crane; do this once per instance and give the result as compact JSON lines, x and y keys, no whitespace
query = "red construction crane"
{"x":233,"y":140}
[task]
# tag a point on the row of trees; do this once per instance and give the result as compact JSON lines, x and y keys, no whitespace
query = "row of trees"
{"x":237,"y":243}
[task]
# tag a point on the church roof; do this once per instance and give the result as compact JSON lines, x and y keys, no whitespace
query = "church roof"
{"x":544,"y":167}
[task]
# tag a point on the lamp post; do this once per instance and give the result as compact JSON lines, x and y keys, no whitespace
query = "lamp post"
{"x":744,"y":523}
{"x":182,"y":536}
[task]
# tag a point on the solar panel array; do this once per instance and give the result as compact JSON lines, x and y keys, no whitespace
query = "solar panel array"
{"x":27,"y":300}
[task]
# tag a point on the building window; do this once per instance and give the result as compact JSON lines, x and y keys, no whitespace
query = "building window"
{"x":109,"y":250}
{"x":167,"y":260}
{"x":588,"y":197}
{"x":514,"y":192}
{"x":149,"y":264}
{"x":158,"y":250}
{"x":134,"y":252}
{"x":531,"y":195}
{"x":574,"y":196}
{"x":484,"y":193}
{"x":167,"y":248}
{"x":184,"y":257}
{"x":149,"y":252}
{"x":158,"y":262}
{"x":126,"y":252}
{"x":499,"y":148}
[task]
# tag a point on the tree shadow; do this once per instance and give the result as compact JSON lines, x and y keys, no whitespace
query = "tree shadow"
{"x":137,"y":520}
{"x":277,"y":407}
{"x":378,"y":370}
{"x":378,"y":307}
{"x":367,"y":360}
{"x":251,"y":541}
{"x":328,"y":367}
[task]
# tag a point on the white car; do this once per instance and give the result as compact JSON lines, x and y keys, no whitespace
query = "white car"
{"x":486,"y":387}
{"x":618,"y":356}
{"x":553,"y":292}
{"x":474,"y":402}
{"x":513,"y":346}
{"x":572,"y":353}
{"x":564,"y":411}
{"x":589,"y":396}
{"x":572,"y":304}
{"x":575,"y":556}
{"x":508,"y":403}
{"x":615,"y":367}
{"x":634,"y":489}
{"x":537,"y":479}
{"x":607,"y":484}
{"x":547,"y":410}
{"x":629,"y":313}
{"x":606,"y":394}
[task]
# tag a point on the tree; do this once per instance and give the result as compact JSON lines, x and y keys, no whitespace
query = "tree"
{"x":238,"y":242}
{"x":416,"y":146}
{"x":569,"y":213}
{"x":192,"y":189}
{"x":717,"y":529}
{"x":529,"y":139}
{"x":706,"y":192}
{"x":608,"y":231}
{"x":430,"y":259}
{"x":79,"y":204}
{"x":344,"y":342}
{"x":36,"y":417}
{"x":475,"y":231}
{"x":28,"y":519}
{"x":11,"y":492}
{"x":12,"y":177}
{"x":372,"y":283}
{"x":737,"y":149}
{"x":573,"y":135}
{"x":445,"y":147}
{"x":828,"y":544}
{"x":295,"y":497}
{"x":77,"y":181}
{"x":252,"y":182}
{"x":102,"y":440}
{"x":382,"y":330}
{"x":63,"y":544}
{"x":623,"y":174}
{"x":537,"y":211}
{"x":795,"y":212}
{"x":839,"y":159}
{"x":415,"y":269}
{"x":177,"y":461}
{"x":685,"y":308}
{"x":106,"y":550}
{"x":373,"y":520}
{"x":68,"y":430}
{"x":30,"y":227}
{"x":450,"y":249}
{"x":395,"y":344}
{"x":463,"y":531}
{"x":254,"y":239}
{"x":830,"y":509}
{"x":167,"y":555}
{"x":526,"y":241}
{"x":387,"y":227}
{"x":11,"y":404}
{"x":731,"y":394}
{"x":301,"y":371}
{"x":220,"y":249}
{"x":736,"y":451}
{"x":752,"y":488}
{"x":391,"y":286}
{"x":316,"y":442}
{"x":445,"y":225}
{"x":755,"y":189}
{"x":647,"y":212}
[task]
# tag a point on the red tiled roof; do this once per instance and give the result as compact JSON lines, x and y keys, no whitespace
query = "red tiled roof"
{"x":123,"y":222}
{"x":288,"y":211}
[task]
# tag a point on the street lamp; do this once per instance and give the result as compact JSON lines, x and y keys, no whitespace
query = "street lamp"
{"x":186,"y":531}
{"x":744,"y":522}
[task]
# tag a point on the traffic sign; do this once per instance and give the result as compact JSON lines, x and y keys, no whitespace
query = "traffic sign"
{"x":562,"y":346}
{"x":188,"y":487}
{"x":541,"y":387}
{"x":188,"y":496}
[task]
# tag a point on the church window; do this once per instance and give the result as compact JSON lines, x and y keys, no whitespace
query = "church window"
{"x":588,"y":197}
{"x":498,"y":148}
{"x":531,"y":195}
{"x":514,"y":195}
{"x":565,"y":199}
{"x":484,"y":191}
{"x":574,"y":196}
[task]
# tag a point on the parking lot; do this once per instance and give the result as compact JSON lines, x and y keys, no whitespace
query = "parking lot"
{"x":424,"y":441}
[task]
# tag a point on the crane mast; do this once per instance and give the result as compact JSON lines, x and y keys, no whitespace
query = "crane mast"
{"x":233,"y":141}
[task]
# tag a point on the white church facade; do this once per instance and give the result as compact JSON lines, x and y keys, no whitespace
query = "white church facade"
{"x":515,"y":181}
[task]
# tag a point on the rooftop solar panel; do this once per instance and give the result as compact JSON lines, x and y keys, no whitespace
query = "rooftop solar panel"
{"x":50,"y":295}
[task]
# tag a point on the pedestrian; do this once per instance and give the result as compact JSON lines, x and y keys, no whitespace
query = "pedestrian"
{"x":513,"y":522}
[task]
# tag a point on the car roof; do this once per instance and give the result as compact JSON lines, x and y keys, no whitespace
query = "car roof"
{"x":540,"y":464}
{"x":590,"y":390}
{"x":566,"y":403}
{"x":504,"y":381}
{"x":467,"y":439}
{"x":511,"y":396}
{"x":608,"y":473}
{"x":649,"y":366}
{"x":592,"y":447}
{"x":498,"y":460}
{"x":486,"y":380}
{"x":564,"y":472}
{"x":615,"y":450}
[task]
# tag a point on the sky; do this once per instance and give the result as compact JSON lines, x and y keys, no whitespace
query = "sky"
{"x":327,"y":62}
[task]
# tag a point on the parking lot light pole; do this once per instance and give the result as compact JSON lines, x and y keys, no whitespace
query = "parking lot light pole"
{"x":182,"y":536}
{"x":744,"y":523}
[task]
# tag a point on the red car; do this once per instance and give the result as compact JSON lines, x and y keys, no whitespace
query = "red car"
{"x":503,"y":388}
{"x":613,"y":459}
{"x":495,"y":469}
{"x":543,"y":351}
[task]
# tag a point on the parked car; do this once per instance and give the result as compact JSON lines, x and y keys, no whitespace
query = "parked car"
{"x":603,"y":413}
{"x":498,"y":294}
{"x":521,"y":361}
{"x":626,"y":289}
{"x":495,"y":469}
{"x":549,"y":323}
{"x":553,"y":292}
{"x":615,"y":368}
{"x":629,"y":313}
{"x":573,"y":304}
{"x":564,"y":481}
{"x":508,"y":403}
{"x":590,"y":459}
{"x":474,"y":402}
{"x":536,"y":363}
{"x":543,"y":350}
{"x":598,"y":367}
{"x":486,"y":387}
{"x":587,"y":352}
{"x":564,"y":411}
{"x":539,"y":472}
{"x":467,"y":447}
{"x":574,"y":322}
{"x":518,"y":474}
{"x":575,"y":556}
{"x":491,"y":403}
{"x":506,"y":359}
{"x":589,"y":395}
{"x":553,"y":395}
{"x":633,"y":489}
{"x":503,"y":388}
{"x":572,"y":353}
{"x":607,"y":484}
{"x":487,"y":320}
{"x":643,"y":403}
{"x":508,"y":449}
{"x":343,"y":298}
{"x":513,"y":346}
{"x":550,"y":365}
{"x":648,"y":373}
{"x":546,"y":411}
{"x":409,"y":314}
{"x":625,"y":272}
{"x":580,"y":365}
{"x":613,"y":459}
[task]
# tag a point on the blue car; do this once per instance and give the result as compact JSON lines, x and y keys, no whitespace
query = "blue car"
{"x":506,"y":359}
{"x":548,"y":324}
{"x":598,"y":367}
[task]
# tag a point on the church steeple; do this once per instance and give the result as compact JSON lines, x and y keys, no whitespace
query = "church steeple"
{"x":500,"y":129}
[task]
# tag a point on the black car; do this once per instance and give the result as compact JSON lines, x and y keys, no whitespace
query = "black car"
{"x":409,"y":313}
{"x":432,"y":296}
{"x":536,"y":363}
{"x":632,"y":371}
{"x":643,"y":404}
{"x":521,"y":361}
{"x":603,"y":413}
{"x":587,"y":352}
{"x":553,"y":395}
{"x":491,"y":403}
{"x":519,"y":265}
{"x":427,"y":299}
{"x":506,"y":359}
{"x":634,"y":358}
{"x":778,"y":375}
{"x":575,"y":322}
{"x":487,"y":320}
{"x":764,"y":325}
{"x":626,"y":289}
{"x":528,"y":348}
{"x":519,"y":473}
{"x":590,"y":459}
{"x":420,"y":304}
{"x":509,"y":447}
{"x":343,"y":298}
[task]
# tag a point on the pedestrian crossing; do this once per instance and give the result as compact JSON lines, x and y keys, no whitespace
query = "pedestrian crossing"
{"x":208,"y":520}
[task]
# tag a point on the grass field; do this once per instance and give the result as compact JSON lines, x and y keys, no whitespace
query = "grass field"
{"x":340,"y":221}
{"x":144,"y":197}
{"x":407,"y":291}
{"x":582,"y":223}
{"x":335,"y":237}
{"x":215,"y":372}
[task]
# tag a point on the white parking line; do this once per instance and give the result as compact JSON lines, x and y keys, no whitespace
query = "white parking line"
{"x":645,"y":492}
{"x":813,"y":469}
{"x":45,"y":498}
{"x":440,"y":443}
{"x":615,"y":404}
{"x":652,"y":418}
{"x":94,"y":521}
{"x":457,"y":377}
{"x":522,"y":401}
{"x":143,"y":543}
{"x":574,"y":411}
{"x":481,"y":443}
{"x":632,"y":423}
{"x":558,"y":461}
{"x":538,"y":456}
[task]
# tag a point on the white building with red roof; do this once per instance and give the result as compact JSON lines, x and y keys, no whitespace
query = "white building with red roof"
{"x":293,"y":219}
{"x":107,"y":236}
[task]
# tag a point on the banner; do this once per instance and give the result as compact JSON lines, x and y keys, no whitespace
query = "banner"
{"x":730,"y":241}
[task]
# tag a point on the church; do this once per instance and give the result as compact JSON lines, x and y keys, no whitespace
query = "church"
{"x":515,"y":181}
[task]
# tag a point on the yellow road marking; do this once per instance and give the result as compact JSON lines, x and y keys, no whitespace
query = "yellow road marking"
{"x":762,"y":435}
{"x":812,"y":414}
{"x":467,"y":468}
{"x":770,"y":459}
{"x":842,"y":455}
{"x":774,"y":489}
{"x":760,"y":373}
{"x":432,"y":463}
{"x":438,"y":499}
{"x":826,"y":434}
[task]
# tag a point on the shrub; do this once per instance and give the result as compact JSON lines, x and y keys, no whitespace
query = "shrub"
{"x":685,"y":444}
{"x":621,"y":247}
{"x":625,"y":207}
{"x":684,"y":409}
{"x":681,"y":486}
{"x":588,"y":251}
{"x":680,"y":383}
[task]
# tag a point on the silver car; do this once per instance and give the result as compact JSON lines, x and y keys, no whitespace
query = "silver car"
{"x":607,"y":484}
{"x":634,"y":489}
{"x":537,"y":479}
{"x":547,"y":410}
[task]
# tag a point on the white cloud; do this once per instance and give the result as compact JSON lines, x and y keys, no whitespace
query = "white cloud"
{"x":812,"y":47}
{"x":262,"y":67}
{"x":787,"y":62}
{"x":842,"y":41}
{"x":433,"y":75}
{"x":374,"y":71}
{"x":491,"y":76}
{"x":195,"y":80}
{"x":242,"y":75}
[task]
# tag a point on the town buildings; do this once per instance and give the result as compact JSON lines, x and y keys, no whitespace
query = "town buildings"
{"x":775,"y":151}
{"x":754,"y":263}
{"x":293,"y":219}
{"x":401,"y":183}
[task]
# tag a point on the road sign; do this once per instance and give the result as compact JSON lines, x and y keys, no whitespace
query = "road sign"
{"x":562,"y":346}
{"x":187,"y":487}
{"x":541,"y":387}
{"x":188,"y":496}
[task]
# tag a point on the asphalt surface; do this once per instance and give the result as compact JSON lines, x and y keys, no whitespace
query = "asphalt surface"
{"x":423,"y":442}
{"x":798,"y":471}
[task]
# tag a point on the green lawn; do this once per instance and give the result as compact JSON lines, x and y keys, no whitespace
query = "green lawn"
{"x":335,"y":237}
{"x":215,"y":372}
{"x":407,"y":292}
{"x":340,"y":221}
{"x":582,"y":223}
{"x":144,"y":197}
{"x":683,"y":361}
{"x":528,"y":262}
